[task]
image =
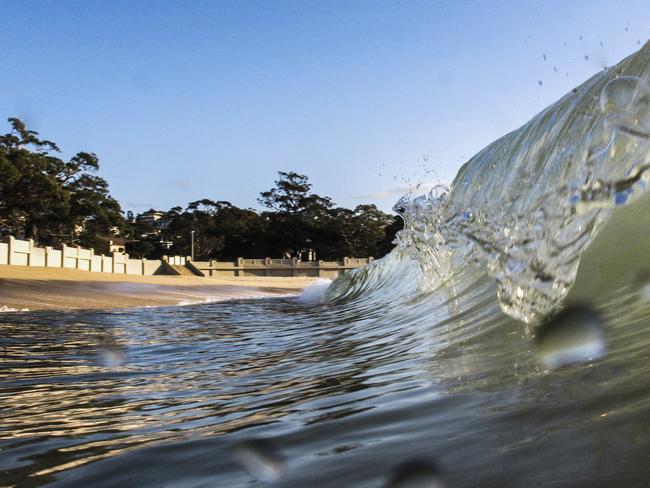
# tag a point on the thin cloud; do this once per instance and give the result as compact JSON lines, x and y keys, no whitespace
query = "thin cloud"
{"x":180,"y":184}
{"x":398,"y":191}
{"x":138,"y":205}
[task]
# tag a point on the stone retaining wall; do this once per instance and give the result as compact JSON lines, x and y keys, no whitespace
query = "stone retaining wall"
{"x":24,"y":253}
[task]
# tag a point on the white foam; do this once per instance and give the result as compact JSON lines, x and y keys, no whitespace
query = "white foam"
{"x":4,"y":308}
{"x":315,"y":293}
{"x":211,"y":299}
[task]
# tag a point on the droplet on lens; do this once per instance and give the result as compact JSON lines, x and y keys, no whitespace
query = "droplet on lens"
{"x":627,"y":94}
{"x":416,"y":474}
{"x":575,"y":335}
{"x":644,"y":292}
{"x":540,"y":83}
{"x":111,"y":355}
{"x":261,"y":458}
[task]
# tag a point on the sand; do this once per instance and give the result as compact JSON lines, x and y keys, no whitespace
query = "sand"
{"x":65,"y":289}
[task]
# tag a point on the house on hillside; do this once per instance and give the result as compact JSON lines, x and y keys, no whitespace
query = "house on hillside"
{"x":113,"y":244}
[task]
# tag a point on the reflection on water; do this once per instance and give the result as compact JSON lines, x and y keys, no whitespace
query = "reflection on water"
{"x":416,"y":474}
{"x":342,"y":392}
{"x":261,"y":458}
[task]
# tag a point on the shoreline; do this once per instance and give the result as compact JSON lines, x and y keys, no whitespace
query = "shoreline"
{"x":30,"y":289}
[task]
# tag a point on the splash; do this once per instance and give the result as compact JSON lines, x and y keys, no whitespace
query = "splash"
{"x":315,"y":293}
{"x":526,"y":207}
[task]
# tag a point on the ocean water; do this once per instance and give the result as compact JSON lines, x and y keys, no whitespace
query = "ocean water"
{"x":503,"y":343}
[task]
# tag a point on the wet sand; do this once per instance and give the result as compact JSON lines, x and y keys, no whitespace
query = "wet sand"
{"x":65,"y":289}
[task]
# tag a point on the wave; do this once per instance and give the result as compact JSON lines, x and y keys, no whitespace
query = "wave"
{"x":525,"y":208}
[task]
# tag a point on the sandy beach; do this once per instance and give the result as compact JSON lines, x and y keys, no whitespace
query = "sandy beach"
{"x":29,"y":288}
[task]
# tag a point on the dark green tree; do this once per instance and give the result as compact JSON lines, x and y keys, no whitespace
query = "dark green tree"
{"x":295,"y":214}
{"x":48,"y":199}
{"x":292,"y":196}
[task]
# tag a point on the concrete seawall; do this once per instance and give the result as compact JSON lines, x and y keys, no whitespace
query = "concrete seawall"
{"x":18,"y":252}
{"x":278,"y":267}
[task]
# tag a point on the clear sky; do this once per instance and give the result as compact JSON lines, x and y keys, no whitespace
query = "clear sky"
{"x":190,"y":100}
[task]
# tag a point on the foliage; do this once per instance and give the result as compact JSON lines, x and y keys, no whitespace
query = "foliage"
{"x":47,"y":199}
{"x":298,"y":221}
{"x":51,"y":200}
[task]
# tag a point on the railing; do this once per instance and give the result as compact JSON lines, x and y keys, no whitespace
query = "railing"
{"x":278,"y":267}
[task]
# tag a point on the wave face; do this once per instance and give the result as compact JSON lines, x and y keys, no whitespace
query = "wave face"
{"x":526,"y":207}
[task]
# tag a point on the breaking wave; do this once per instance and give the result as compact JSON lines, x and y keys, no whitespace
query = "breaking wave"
{"x":525,"y":208}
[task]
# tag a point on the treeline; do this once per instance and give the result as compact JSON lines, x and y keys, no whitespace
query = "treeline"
{"x":50,"y":200}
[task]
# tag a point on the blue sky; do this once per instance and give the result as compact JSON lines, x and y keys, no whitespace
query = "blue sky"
{"x":190,"y":100}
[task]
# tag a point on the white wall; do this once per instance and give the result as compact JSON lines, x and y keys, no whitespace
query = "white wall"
{"x":24,"y":253}
{"x":4,"y":253}
{"x":134,"y":266}
{"x":37,"y":257}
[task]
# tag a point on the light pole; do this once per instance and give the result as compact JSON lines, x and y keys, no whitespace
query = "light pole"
{"x":193,"y":245}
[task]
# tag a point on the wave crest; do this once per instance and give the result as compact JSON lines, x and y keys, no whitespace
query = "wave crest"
{"x":526,"y":207}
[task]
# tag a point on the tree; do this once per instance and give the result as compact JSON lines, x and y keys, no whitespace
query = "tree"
{"x":296,"y":213}
{"x":48,"y":199}
{"x":369,"y":227}
{"x":291,"y":196}
{"x":243,"y":231}
{"x":385,"y":245}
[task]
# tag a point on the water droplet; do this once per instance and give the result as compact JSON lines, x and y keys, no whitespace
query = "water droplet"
{"x":261,"y":458}
{"x":575,"y":335}
{"x":416,"y":474}
{"x":626,"y":94}
{"x":626,"y":29}
{"x":540,"y":83}
{"x":555,"y":69}
{"x":602,"y":44}
{"x":544,"y":56}
{"x":111,"y":355}
{"x":565,"y":43}
{"x":586,"y":57}
{"x":644,"y":291}
{"x":638,"y":41}
{"x":581,"y":38}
